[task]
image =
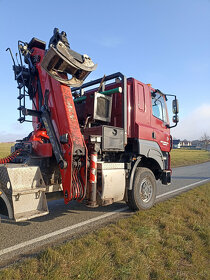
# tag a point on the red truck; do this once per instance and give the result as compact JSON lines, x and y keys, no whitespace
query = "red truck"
{"x":99,"y":142}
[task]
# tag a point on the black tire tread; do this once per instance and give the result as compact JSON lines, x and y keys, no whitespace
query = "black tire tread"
{"x":132,"y":200}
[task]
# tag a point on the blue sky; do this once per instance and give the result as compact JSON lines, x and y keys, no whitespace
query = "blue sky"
{"x":162,"y":42}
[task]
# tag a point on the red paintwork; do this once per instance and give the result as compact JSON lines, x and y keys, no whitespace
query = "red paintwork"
{"x":93,"y":167}
{"x":44,"y":149}
{"x":64,"y":119}
{"x":142,"y":119}
{"x":141,"y":124}
{"x":40,"y":147}
{"x":39,"y":135}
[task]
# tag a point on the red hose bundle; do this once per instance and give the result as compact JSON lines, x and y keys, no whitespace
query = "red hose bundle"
{"x":10,"y":157}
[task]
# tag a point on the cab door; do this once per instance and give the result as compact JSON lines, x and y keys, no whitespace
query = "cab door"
{"x":159,"y":121}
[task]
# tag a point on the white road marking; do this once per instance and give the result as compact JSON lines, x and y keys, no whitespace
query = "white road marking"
{"x":57,"y":232}
{"x":63,"y":230}
{"x":186,"y":187}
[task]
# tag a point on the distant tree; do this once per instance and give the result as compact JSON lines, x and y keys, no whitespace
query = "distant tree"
{"x":205,"y":140}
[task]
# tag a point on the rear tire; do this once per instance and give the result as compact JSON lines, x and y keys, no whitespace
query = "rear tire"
{"x":143,"y":194}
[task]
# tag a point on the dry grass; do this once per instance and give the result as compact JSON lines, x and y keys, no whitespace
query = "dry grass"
{"x":5,"y":149}
{"x":181,"y":157}
{"x":168,"y":242}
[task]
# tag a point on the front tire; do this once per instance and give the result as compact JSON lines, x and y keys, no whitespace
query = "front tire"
{"x":143,"y":194}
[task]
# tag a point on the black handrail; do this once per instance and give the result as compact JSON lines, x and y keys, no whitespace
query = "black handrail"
{"x":124,"y":92}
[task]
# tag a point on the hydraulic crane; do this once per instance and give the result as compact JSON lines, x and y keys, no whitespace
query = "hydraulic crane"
{"x":103,"y":141}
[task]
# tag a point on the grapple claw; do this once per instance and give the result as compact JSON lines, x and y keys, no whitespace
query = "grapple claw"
{"x":60,"y":60}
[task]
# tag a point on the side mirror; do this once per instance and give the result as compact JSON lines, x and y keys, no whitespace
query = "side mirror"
{"x":175,"y":119}
{"x":175,"y":106}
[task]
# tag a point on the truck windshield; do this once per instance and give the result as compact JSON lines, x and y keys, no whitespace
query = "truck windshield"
{"x":159,"y":106}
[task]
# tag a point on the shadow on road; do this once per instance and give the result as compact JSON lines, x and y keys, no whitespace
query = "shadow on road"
{"x":57,"y":208}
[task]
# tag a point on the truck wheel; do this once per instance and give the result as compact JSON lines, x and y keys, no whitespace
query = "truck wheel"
{"x":143,"y":193}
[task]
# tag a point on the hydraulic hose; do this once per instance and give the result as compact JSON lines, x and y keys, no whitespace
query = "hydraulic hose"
{"x":10,"y":157}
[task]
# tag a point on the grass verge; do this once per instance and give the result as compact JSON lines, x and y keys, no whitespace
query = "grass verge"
{"x":169,"y":241}
{"x":181,"y":157}
{"x":5,"y":149}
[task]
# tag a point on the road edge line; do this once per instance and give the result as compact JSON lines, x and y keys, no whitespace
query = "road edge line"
{"x":185,"y":187}
{"x":57,"y":232}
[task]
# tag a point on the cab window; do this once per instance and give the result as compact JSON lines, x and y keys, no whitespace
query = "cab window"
{"x":158,"y":106}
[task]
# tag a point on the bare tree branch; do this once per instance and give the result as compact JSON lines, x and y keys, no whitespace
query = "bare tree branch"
{"x":206,"y":140}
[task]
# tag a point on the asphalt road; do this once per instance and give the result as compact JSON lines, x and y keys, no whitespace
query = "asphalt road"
{"x":64,"y":222}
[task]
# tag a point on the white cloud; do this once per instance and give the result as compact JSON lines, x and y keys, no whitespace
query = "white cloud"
{"x":194,"y":125}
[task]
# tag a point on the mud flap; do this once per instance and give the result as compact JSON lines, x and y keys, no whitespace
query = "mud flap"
{"x":166,"y":177}
{"x":23,"y":191}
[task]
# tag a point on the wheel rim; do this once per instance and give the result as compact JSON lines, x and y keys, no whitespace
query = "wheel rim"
{"x":146,"y":190}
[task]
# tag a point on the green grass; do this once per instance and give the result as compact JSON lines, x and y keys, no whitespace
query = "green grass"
{"x":168,"y":242}
{"x":181,"y":157}
{"x":5,"y":149}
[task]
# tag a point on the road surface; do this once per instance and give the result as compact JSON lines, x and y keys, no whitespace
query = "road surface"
{"x":67,"y":221}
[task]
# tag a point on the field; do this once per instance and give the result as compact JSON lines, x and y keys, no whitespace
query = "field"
{"x":179,"y":157}
{"x":168,"y":242}
{"x":5,"y":149}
